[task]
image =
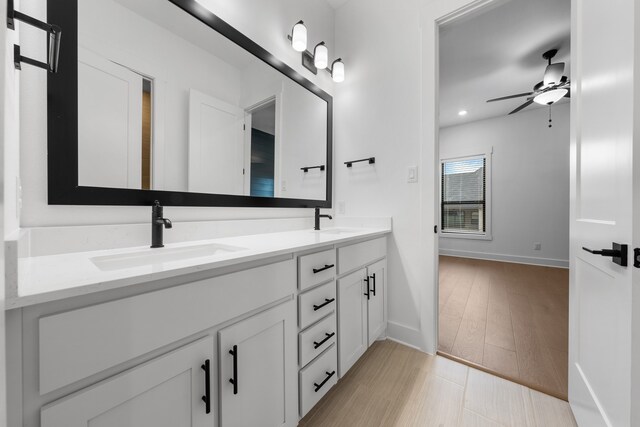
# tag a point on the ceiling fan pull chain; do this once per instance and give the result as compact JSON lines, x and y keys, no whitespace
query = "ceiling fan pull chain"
{"x":550,"y":125}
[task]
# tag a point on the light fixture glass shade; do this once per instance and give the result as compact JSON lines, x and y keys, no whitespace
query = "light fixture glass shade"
{"x":337,"y":71}
{"x":550,"y":97}
{"x":321,"y":56}
{"x":299,"y":37}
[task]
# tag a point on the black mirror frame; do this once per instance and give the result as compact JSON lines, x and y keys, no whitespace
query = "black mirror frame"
{"x":62,"y":127}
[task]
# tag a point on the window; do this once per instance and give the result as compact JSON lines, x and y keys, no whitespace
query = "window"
{"x":463,"y":205}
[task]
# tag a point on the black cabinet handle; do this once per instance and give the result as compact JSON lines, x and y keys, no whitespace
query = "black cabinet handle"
{"x":207,"y":385}
{"x":373,"y":291}
{"x":368,"y":293}
{"x":326,"y":267}
{"x":618,"y":253}
{"x":319,"y":386}
{"x":326,"y":301}
{"x":234,"y":380}
{"x":327,"y":338}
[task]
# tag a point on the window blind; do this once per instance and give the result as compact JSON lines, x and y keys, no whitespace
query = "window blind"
{"x":463,"y":204}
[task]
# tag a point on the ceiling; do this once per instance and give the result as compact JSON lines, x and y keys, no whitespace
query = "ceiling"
{"x":499,"y":53}
{"x":336,"y":3}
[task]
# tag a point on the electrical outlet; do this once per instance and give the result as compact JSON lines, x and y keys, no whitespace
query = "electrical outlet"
{"x":341,"y":207}
{"x":283,"y":185}
{"x":412,"y":174}
{"x":537,"y":246}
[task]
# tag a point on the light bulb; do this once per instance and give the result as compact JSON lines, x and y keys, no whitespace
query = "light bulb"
{"x":550,"y":97}
{"x":337,"y":71}
{"x":321,"y":56}
{"x":299,"y":37}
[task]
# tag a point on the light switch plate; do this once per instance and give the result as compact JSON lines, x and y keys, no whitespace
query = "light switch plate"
{"x":341,"y":207}
{"x":412,"y":174}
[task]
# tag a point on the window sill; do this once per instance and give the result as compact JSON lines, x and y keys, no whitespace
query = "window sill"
{"x":470,"y":236}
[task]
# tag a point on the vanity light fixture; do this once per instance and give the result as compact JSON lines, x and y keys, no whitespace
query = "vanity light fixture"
{"x":550,"y":97}
{"x":321,"y":56}
{"x":299,"y":37}
{"x":319,"y":59}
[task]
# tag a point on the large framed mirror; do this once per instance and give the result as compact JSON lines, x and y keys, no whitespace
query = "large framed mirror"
{"x":163,"y":100}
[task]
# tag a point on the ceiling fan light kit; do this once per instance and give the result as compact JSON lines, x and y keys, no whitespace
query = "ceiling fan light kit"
{"x":553,"y":87}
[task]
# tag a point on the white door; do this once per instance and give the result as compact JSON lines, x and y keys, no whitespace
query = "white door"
{"x":109,"y":123}
{"x":376,"y":302}
{"x":352,"y":320}
{"x":216,"y":145}
{"x":602,"y":122}
{"x":258,"y":355}
{"x":165,"y":392}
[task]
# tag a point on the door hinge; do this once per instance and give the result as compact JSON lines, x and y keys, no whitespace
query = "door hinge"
{"x":244,"y":127}
{"x":435,"y":229}
{"x":636,"y":257}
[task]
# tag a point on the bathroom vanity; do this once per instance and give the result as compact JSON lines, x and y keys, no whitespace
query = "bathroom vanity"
{"x":239,"y":331}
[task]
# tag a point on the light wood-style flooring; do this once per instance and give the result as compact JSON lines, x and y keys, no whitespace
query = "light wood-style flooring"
{"x":511,"y":319}
{"x":394,"y":385}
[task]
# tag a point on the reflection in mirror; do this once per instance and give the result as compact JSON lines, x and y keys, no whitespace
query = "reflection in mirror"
{"x":167,"y":103}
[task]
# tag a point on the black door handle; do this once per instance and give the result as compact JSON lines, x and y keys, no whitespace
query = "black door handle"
{"x":368,"y":293}
{"x":207,"y":385}
{"x":329,"y":375}
{"x":327,"y":338}
{"x":618,"y":253}
{"x":373,"y":291}
{"x":234,"y":380}
{"x":326,"y":302}
{"x":326,"y":267}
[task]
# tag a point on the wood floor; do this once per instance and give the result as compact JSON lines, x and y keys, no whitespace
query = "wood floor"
{"x":509,"y":318}
{"x":394,"y":385}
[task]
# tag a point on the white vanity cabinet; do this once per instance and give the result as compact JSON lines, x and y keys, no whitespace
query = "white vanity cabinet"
{"x":258,"y":370}
{"x":173,"y":390}
{"x":361,"y":299}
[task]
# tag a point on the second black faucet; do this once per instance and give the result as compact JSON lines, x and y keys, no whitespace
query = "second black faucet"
{"x":158,"y":224}
{"x":317,"y":218}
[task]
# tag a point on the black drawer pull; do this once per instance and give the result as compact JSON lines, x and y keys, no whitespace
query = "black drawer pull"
{"x":316,"y":345}
{"x":326,"y":301}
{"x":319,"y":386}
{"x":373,"y":291}
{"x":326,"y":267}
{"x":234,"y":380}
{"x":207,"y":385}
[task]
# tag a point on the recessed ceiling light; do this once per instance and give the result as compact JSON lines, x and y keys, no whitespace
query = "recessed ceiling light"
{"x":462,"y":112}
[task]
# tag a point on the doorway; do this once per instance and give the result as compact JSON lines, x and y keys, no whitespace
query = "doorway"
{"x":504,"y":200}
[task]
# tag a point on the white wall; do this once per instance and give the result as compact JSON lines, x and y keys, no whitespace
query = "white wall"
{"x":530,"y":185}
{"x":265,"y":21}
{"x":378,"y":113}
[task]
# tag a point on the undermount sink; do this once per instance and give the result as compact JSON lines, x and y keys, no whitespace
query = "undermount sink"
{"x":160,"y":256}
{"x":338,"y":231}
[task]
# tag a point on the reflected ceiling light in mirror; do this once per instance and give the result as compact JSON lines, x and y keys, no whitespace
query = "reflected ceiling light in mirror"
{"x":550,"y":97}
{"x":319,"y":59}
{"x":337,"y":70}
{"x":321,"y":56}
{"x":462,"y":113}
{"x":299,"y":37}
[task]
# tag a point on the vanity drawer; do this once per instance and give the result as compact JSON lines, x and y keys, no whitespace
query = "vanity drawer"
{"x":316,"y":268}
{"x":316,"y":304}
{"x":358,"y":255}
{"x":316,"y":339}
{"x":318,"y":378}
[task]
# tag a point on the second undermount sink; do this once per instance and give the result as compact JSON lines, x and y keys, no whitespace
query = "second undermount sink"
{"x":160,"y":256}
{"x":338,"y":231}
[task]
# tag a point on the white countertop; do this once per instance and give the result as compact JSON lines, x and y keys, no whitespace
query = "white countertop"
{"x":53,"y":277}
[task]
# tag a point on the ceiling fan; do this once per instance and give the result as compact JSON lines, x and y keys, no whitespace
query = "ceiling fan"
{"x":550,"y":90}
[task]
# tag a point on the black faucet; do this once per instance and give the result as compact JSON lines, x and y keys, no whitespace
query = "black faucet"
{"x":158,"y":223}
{"x":318,"y":216}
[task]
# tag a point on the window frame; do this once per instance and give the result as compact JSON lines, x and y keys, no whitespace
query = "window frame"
{"x":472,"y":235}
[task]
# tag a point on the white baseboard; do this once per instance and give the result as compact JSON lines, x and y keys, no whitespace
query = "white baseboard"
{"x":547,"y":262}
{"x":404,"y":335}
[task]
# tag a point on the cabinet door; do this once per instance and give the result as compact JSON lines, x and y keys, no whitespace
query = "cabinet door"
{"x":165,"y":392}
{"x":377,"y":298}
{"x":352,"y":320}
{"x":258,"y":367}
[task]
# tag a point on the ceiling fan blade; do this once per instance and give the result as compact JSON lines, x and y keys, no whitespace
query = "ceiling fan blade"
{"x":568,"y":95}
{"x":553,"y":74}
{"x":510,"y":97}
{"x":523,"y":106}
